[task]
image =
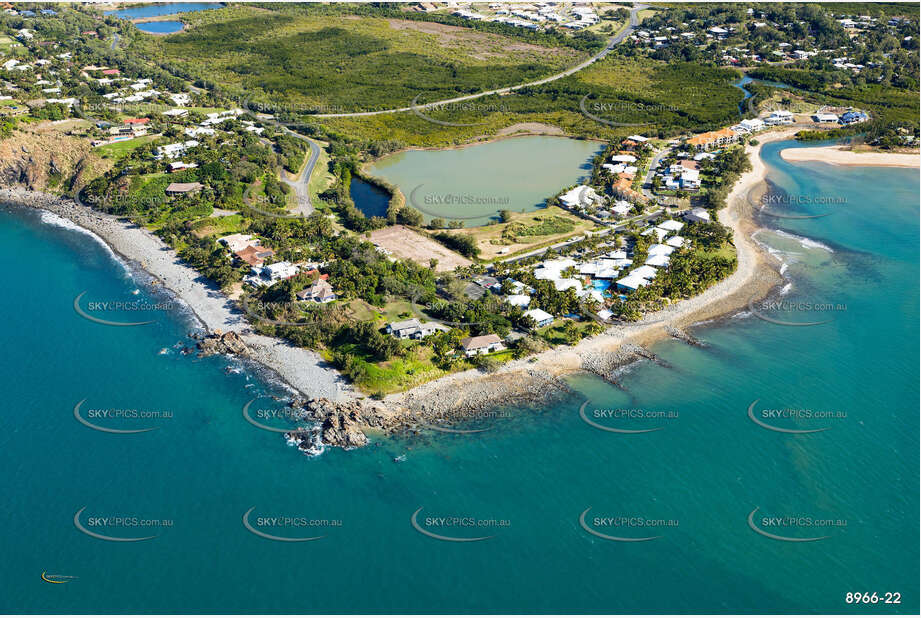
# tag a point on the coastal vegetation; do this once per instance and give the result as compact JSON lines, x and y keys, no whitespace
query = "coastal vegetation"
{"x":296,"y":62}
{"x":335,"y":59}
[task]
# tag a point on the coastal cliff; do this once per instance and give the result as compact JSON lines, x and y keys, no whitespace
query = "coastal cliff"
{"x":45,"y":158}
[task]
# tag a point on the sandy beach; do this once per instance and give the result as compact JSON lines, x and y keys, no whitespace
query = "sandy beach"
{"x":835,"y":155}
{"x":458,"y":394}
{"x":755,"y":276}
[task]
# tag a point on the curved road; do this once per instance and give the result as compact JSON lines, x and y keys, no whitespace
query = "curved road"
{"x":301,"y":184}
{"x":617,"y":39}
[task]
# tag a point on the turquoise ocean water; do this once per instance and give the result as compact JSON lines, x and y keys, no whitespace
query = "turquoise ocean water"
{"x":531,"y":474}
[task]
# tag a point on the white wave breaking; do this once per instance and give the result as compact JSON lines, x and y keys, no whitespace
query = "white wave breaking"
{"x":805,"y":242}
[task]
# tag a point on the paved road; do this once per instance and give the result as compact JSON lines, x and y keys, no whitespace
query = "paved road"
{"x":617,"y":39}
{"x":614,"y":228}
{"x":114,"y":41}
{"x":647,"y":182}
{"x":301,"y":184}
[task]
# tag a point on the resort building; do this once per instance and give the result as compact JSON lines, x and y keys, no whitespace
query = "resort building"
{"x":713,"y":139}
{"x":631,"y":283}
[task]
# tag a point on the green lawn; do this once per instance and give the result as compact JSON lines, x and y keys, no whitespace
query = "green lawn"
{"x":117,"y":150}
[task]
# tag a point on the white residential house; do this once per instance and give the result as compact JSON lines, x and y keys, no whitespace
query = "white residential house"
{"x":484,"y":344}
{"x":518,"y":300}
{"x":414,"y":329}
{"x":238,"y":242}
{"x":579,"y":197}
{"x":540,"y":317}
{"x":177,"y":166}
{"x":697,"y":215}
{"x":753,"y":124}
{"x":671,"y":225}
{"x":690,"y":180}
{"x":278,"y":271}
{"x":781,"y":116}
{"x":171,"y":151}
{"x":621,"y":208}
{"x":196,"y":131}
{"x":319,"y":292}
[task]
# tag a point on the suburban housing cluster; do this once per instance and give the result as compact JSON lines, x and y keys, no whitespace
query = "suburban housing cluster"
{"x":530,"y":15}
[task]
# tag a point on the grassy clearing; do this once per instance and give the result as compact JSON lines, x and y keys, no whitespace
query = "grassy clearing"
{"x":218,"y":226}
{"x":727,"y":251}
{"x":523,"y":232}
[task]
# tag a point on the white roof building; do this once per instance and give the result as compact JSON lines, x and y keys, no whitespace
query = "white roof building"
{"x":658,"y":260}
{"x":646,"y":272}
{"x":675,"y":241}
{"x":697,"y":214}
{"x":562,"y":285}
{"x":660,"y":250}
{"x":632,"y":282}
{"x":518,"y":300}
{"x":671,"y":225}
{"x":541,"y":317}
{"x":580,"y":196}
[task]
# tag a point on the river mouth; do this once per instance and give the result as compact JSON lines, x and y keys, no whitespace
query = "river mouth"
{"x":475,"y":183}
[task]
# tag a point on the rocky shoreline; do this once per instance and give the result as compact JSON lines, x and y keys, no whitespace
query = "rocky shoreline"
{"x":343,"y":418}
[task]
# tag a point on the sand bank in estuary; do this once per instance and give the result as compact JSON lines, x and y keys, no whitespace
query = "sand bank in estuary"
{"x":835,"y":155}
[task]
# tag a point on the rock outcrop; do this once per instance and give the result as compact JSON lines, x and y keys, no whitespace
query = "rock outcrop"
{"x":222,"y":343}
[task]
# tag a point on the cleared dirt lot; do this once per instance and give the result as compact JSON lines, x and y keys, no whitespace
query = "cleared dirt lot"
{"x":410,"y":245}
